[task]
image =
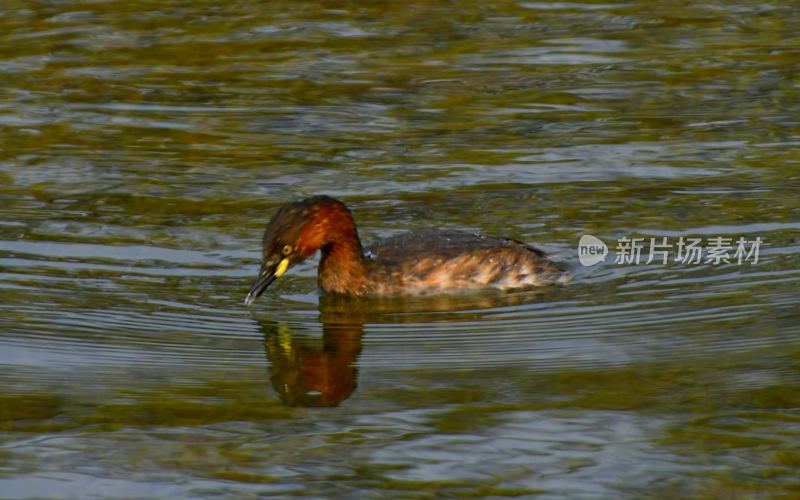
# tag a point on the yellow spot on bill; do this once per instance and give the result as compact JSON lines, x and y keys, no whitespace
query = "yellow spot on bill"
{"x":282,"y":267}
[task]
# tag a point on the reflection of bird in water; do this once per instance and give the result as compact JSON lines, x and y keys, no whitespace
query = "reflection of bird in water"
{"x":422,"y":262}
{"x":309,"y":371}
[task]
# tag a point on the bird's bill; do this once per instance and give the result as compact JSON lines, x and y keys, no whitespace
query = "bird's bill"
{"x":266,"y":276}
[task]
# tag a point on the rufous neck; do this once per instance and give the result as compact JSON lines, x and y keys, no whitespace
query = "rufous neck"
{"x":341,"y":268}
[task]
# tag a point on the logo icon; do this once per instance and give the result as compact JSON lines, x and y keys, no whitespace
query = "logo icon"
{"x":591,"y":250}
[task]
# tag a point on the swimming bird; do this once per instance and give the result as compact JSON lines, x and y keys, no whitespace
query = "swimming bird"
{"x":420,"y":262}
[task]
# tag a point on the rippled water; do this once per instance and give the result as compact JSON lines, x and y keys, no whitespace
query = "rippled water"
{"x":143,"y":146}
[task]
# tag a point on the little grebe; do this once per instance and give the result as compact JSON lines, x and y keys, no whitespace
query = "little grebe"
{"x":419,"y":262}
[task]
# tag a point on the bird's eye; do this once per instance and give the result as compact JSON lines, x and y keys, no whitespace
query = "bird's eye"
{"x":287,"y":249}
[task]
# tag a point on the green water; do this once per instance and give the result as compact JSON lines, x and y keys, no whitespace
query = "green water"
{"x":144,"y":145}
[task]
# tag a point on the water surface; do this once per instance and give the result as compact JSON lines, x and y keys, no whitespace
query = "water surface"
{"x":144,"y":145}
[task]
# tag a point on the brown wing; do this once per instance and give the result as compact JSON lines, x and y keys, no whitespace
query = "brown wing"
{"x":443,"y":244}
{"x":454,"y":260}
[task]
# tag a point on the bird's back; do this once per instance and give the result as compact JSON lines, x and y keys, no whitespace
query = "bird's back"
{"x":446,"y":260}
